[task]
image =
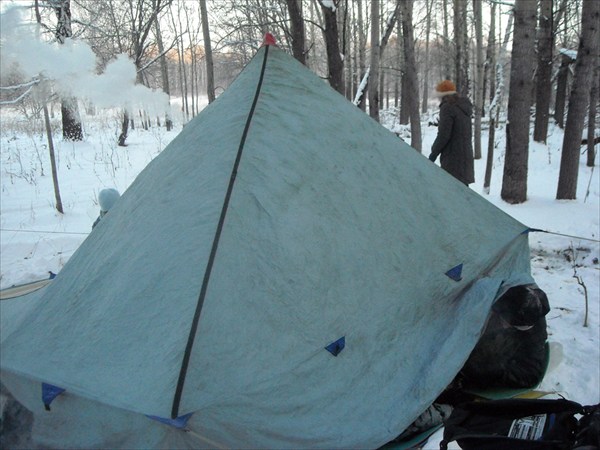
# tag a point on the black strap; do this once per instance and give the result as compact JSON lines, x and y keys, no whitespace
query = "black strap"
{"x":213,"y":251}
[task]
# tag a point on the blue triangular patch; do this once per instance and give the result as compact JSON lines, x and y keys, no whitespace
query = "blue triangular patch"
{"x":336,"y":347}
{"x":455,"y":273}
{"x":49,"y":393}
{"x":179,"y":422}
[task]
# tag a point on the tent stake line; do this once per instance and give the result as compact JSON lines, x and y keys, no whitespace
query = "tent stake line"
{"x":535,"y":230}
{"x":213,"y":251}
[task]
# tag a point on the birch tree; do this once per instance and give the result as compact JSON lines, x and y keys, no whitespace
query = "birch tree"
{"x":514,"y":180}
{"x":589,"y":44}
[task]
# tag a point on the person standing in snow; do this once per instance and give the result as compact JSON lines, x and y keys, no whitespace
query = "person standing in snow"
{"x":453,"y":141}
{"x":106,"y":199}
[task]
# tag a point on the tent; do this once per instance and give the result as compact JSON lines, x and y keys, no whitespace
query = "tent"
{"x":287,"y":273}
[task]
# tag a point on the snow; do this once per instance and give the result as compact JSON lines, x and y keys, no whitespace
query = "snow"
{"x":36,"y":239}
{"x":328,"y":4}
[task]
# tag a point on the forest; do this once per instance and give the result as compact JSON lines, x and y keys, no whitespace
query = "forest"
{"x":523,"y":63}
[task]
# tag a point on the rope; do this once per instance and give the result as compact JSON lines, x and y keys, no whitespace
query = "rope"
{"x":535,"y":230}
{"x":43,"y":231}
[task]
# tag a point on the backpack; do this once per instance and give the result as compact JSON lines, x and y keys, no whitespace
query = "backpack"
{"x":523,"y":424}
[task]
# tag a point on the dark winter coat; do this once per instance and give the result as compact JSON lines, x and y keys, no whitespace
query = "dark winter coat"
{"x":453,"y":140}
{"x":512,"y":351}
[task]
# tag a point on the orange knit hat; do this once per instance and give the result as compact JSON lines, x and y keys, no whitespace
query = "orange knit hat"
{"x":445,"y":87}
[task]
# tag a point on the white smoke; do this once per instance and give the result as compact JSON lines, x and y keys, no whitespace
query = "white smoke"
{"x":71,"y":67}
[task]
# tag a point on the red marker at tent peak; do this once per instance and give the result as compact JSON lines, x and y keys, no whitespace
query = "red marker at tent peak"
{"x":269,"y":39}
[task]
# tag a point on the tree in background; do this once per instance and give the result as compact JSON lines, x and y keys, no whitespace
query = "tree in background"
{"x":479,"y":93}
{"x":297,"y":29}
{"x":461,"y":45}
{"x":592,"y":139}
{"x":374,"y":65}
{"x":210,"y":75}
{"x":514,"y":180}
{"x":589,"y":46}
{"x":412,"y":83}
{"x":335,"y":62}
{"x":543,"y":85}
{"x":163,"y":69}
{"x":71,"y":122}
{"x":140,"y":17}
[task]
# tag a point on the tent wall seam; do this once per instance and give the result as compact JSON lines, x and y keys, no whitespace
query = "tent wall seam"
{"x":213,"y":252}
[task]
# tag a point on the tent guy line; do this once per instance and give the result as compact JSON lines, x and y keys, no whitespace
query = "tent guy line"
{"x":215,"y":245}
{"x":535,"y":230}
{"x":44,"y":231}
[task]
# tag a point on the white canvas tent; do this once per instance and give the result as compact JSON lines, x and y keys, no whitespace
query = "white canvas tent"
{"x":286,"y":274}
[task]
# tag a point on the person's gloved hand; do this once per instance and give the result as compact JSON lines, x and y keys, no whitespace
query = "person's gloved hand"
{"x":432,"y":157}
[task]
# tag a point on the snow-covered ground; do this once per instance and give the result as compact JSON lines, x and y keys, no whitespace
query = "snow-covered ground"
{"x":35,"y":239}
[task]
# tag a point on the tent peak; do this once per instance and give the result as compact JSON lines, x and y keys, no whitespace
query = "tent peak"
{"x":269,"y":39}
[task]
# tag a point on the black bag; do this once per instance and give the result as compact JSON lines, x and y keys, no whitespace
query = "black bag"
{"x":517,"y":424}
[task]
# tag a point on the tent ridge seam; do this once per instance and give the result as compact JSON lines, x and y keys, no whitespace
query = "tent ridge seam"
{"x":215,"y":245}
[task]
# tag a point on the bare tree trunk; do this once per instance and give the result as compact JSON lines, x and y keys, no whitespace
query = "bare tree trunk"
{"x":391,"y":21}
{"x":361,"y":53}
{"x":59,"y":206}
{"x":514,"y":181}
{"x":398,"y":73}
{"x":71,"y":122}
{"x":181,"y":67}
{"x":544,"y":72}
{"x":164,"y":73}
{"x":479,"y":85}
{"x":124,"y":130}
{"x":462,"y":47}
{"x":578,"y":101}
{"x":591,"y":132}
{"x":428,"y":6}
{"x":495,"y":73}
{"x":335,"y":63}
{"x":374,"y":64}
{"x":561,"y":90}
{"x":412,"y":84}
{"x":297,"y":29}
{"x":447,"y":51}
{"x":210,"y":73}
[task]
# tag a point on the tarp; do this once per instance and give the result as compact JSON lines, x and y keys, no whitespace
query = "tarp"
{"x":287,"y":271}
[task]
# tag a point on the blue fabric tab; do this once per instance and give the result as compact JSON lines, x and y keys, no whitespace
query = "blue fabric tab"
{"x":455,"y":273}
{"x":336,"y":347}
{"x":179,"y":422}
{"x":49,"y":393}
